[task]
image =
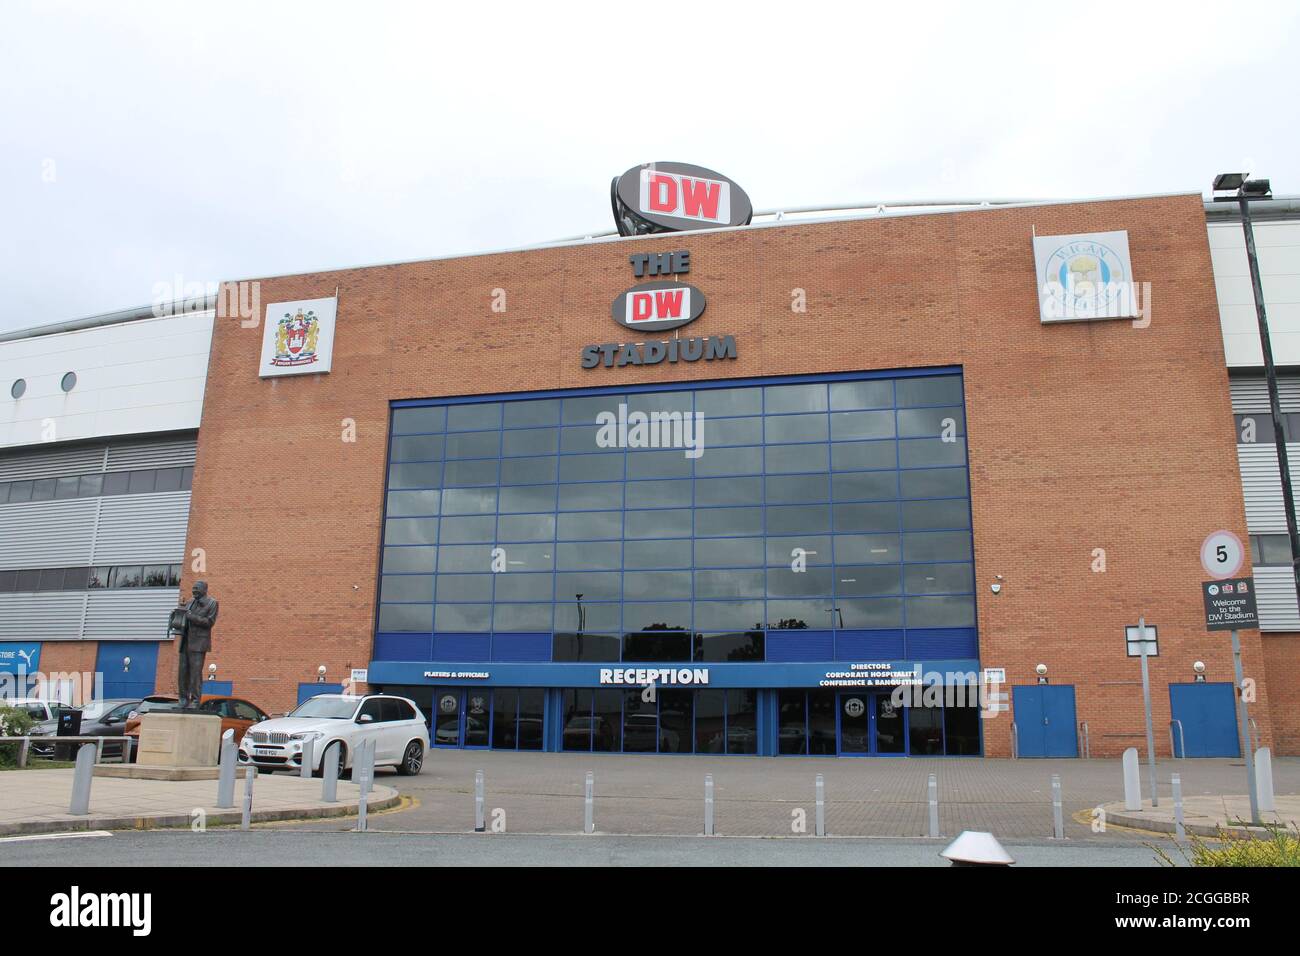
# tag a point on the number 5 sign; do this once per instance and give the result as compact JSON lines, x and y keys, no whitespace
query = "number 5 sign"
{"x":1222,"y":554}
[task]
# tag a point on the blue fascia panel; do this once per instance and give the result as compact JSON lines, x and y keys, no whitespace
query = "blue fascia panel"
{"x":746,"y":675}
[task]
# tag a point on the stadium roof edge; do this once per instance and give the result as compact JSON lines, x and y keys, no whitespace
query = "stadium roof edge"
{"x":1280,"y":207}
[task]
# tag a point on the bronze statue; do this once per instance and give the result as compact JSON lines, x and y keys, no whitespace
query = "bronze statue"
{"x":193,"y":623}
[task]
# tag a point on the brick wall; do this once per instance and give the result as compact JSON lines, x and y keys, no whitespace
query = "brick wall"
{"x":1082,"y":436}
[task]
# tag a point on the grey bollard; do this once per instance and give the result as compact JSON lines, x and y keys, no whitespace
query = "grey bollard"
{"x":819,"y":827}
{"x":329,"y":788}
{"x":308,"y":757}
{"x":932,"y":793}
{"x":81,"y":777}
{"x":1176,"y":785}
{"x":1132,"y":780}
{"x":589,"y":817}
{"x":364,"y":771}
{"x":1264,"y":779}
{"x":1058,"y":815}
{"x":250,"y":778}
{"x":708,"y":804}
{"x":480,"y":825}
{"x":226,"y":773}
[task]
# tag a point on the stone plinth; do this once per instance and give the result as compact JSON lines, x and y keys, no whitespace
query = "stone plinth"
{"x":179,"y":740}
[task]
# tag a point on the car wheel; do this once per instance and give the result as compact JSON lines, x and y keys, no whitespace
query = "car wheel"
{"x":343,"y":760}
{"x":412,"y":760}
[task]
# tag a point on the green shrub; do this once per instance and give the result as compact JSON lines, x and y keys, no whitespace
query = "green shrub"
{"x":1280,"y":848}
{"x":13,"y":723}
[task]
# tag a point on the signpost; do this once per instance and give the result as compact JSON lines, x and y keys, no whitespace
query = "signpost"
{"x":1229,"y":606}
{"x":1145,"y":639}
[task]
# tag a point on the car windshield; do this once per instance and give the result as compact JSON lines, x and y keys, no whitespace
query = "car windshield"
{"x":148,"y":706}
{"x":330,"y":708}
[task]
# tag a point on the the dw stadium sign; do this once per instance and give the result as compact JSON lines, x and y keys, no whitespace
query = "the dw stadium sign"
{"x":672,"y":197}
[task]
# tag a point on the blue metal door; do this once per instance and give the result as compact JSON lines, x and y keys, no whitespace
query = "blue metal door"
{"x":130,"y":668}
{"x":1044,"y":716}
{"x":1208,"y":716}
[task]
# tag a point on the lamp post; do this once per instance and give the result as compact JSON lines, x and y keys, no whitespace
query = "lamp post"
{"x":1237,"y":187}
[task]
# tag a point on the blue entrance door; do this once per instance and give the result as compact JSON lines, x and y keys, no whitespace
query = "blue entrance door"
{"x":1208,"y":715}
{"x":130,"y":668}
{"x":1044,"y":716}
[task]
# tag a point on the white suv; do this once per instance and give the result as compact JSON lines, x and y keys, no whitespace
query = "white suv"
{"x":395,"y":724}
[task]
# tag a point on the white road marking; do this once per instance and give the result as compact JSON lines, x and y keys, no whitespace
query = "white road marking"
{"x":56,"y":836}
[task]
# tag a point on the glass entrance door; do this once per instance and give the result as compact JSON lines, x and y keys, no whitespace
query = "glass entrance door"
{"x":871,"y":724}
{"x":890,"y":731}
{"x":855,"y":724}
{"x":461,"y":717}
{"x":447,"y":711}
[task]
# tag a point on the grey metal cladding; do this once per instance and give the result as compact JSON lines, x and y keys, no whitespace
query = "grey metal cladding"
{"x":43,"y":616}
{"x":1276,"y":599}
{"x":50,"y":534}
{"x":1261,"y":488}
{"x":51,"y":462}
{"x":142,"y":529}
{"x":1251,"y":395}
{"x":151,"y":454}
{"x":128,"y":614}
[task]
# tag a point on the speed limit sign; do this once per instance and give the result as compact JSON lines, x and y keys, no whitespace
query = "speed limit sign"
{"x":1222,"y":554}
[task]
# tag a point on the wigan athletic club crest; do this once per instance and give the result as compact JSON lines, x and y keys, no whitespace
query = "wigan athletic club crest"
{"x":296,"y":338}
{"x":299,"y":337}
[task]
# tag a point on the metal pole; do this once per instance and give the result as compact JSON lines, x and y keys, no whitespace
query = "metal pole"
{"x":81,"y":777}
{"x":932,"y":789}
{"x":589,"y":814}
{"x":308,"y":758}
{"x":479,"y":824}
{"x":1270,"y":375}
{"x":708,"y":804}
{"x":1176,"y":784}
{"x":1243,"y":726}
{"x":250,"y":777}
{"x":364,"y":771}
{"x":329,"y":787}
{"x":226,"y":773}
{"x":1132,"y":780}
{"x":819,"y":827}
{"x":1058,"y":815}
{"x":1146,"y":703}
{"x":1264,"y":780}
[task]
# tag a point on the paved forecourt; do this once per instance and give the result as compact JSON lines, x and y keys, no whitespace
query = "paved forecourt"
{"x":36,"y":801}
{"x":759,"y":796}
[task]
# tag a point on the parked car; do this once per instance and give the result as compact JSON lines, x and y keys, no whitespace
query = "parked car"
{"x":395,"y":724}
{"x":99,"y":718}
{"x":45,"y":714}
{"x":38,"y":710}
{"x":236,"y":713}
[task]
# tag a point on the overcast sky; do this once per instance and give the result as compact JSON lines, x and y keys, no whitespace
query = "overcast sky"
{"x":141,"y":142}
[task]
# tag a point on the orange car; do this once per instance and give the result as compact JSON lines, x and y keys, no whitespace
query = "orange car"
{"x":236,"y":714}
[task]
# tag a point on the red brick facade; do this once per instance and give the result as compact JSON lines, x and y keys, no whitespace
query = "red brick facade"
{"x":1092,"y":435}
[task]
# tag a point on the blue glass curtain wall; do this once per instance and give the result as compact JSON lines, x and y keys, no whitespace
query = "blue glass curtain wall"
{"x":823,"y":518}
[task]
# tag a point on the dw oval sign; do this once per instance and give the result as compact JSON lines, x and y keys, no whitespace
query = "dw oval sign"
{"x":656,"y":306}
{"x":679,"y":196}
